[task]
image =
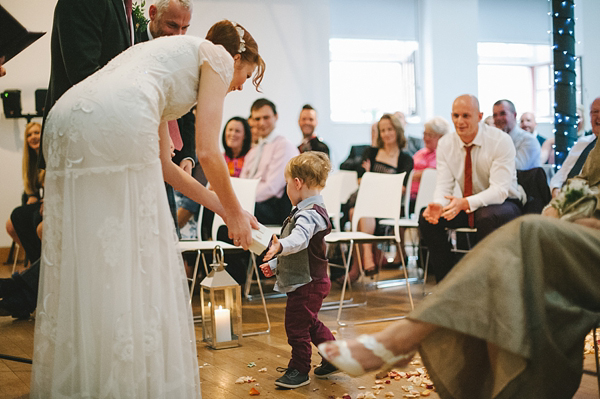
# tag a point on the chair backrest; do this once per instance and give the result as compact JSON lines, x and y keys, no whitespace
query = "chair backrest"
{"x":426,"y":190}
{"x":349,"y":184}
{"x":332,"y":196}
{"x":379,"y":196}
{"x":406,"y":196}
{"x":245,"y":191}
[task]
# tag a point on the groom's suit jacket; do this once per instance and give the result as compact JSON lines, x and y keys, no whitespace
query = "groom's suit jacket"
{"x":86,"y":34}
{"x":187,"y":128}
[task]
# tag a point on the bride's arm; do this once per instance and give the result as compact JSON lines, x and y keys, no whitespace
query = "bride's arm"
{"x":211,"y":95}
{"x":182,"y":181}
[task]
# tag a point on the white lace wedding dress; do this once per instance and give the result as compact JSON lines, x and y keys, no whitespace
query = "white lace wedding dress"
{"x":113,"y":318}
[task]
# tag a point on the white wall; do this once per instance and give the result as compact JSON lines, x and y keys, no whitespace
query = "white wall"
{"x":293,"y":37}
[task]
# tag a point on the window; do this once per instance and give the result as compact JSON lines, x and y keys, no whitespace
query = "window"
{"x":371,"y":77}
{"x":521,"y":73}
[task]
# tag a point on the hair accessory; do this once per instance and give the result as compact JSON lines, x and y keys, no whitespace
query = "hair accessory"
{"x":241,"y":33}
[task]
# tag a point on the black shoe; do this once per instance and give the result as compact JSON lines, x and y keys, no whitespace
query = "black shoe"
{"x":325,"y":369}
{"x":292,"y":379}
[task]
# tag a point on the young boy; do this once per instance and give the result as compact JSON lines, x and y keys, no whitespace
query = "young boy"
{"x":301,"y":266}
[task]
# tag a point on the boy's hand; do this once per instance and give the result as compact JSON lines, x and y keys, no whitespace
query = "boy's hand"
{"x":266,"y":269}
{"x":274,"y":249}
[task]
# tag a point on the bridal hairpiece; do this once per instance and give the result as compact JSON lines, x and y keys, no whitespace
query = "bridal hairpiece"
{"x":241,"y":33}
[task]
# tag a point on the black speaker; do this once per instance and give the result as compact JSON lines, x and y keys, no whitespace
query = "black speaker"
{"x":11,"y":101}
{"x":40,"y":101}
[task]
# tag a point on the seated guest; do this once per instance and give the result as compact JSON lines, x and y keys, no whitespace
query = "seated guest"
{"x":527,"y":147}
{"x":571,"y":167}
{"x":481,"y":160}
{"x":423,"y":159}
{"x":489,"y":120}
{"x":528,"y":123}
{"x":308,"y":122}
{"x":266,"y":161}
{"x":509,"y":321}
{"x":514,"y":313}
{"x":386,"y":157}
{"x":236,"y":140}
{"x":23,"y":222}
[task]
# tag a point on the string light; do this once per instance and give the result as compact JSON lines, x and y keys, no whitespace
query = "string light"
{"x":565,"y":109}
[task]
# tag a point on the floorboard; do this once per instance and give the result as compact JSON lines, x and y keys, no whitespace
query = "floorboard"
{"x":219,"y":369}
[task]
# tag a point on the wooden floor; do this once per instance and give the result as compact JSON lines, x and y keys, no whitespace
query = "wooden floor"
{"x":219,"y":369}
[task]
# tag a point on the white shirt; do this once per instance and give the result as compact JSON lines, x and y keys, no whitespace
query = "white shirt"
{"x":528,"y":149}
{"x":561,"y":175}
{"x":493,"y":167}
{"x":271,"y":155}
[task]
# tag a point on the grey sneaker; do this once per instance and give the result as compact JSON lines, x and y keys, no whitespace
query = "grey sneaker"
{"x":292,"y":379}
{"x":325,"y":369}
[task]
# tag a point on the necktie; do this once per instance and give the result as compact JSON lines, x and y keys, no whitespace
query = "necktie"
{"x":290,"y":216}
{"x":581,"y":160}
{"x":128,"y":8}
{"x":468,"y":189}
{"x":175,"y":135}
{"x":256,"y":160}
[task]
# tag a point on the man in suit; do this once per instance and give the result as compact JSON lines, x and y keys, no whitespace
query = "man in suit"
{"x":86,"y":35}
{"x":308,"y":123}
{"x":168,"y":18}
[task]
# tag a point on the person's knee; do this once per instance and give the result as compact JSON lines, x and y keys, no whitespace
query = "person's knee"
{"x":10,"y":229}
{"x":39,"y":230}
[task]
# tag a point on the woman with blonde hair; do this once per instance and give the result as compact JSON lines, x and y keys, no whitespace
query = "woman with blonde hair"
{"x":24,"y":220}
{"x":387,"y":156}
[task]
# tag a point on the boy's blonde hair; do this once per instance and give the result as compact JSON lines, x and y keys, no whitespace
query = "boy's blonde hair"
{"x":312,"y":167}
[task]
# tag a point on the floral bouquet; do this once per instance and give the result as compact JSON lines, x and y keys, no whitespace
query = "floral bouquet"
{"x":576,"y":200}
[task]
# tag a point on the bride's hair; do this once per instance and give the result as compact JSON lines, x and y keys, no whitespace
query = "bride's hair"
{"x":227,"y":34}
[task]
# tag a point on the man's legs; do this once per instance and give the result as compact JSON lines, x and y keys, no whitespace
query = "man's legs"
{"x":435,"y":237}
{"x":489,"y":218}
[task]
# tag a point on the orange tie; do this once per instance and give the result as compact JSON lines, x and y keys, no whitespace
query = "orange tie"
{"x":468,"y":191}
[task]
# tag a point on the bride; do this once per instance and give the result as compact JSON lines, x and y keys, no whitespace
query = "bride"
{"x":113,"y":319}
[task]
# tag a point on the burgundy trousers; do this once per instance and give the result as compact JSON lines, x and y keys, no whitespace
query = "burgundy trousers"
{"x":302,"y":324}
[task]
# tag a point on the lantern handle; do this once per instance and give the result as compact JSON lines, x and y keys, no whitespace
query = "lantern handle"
{"x":218,"y":259}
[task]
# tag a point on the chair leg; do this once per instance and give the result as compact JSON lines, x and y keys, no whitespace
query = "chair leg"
{"x":347,"y":266}
{"x":254,"y":268}
{"x":412,"y":305}
{"x":15,"y":257}
{"x":194,"y":275}
{"x":596,"y":358}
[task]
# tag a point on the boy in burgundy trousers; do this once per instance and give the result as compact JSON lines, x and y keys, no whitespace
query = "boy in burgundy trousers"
{"x":301,"y":266}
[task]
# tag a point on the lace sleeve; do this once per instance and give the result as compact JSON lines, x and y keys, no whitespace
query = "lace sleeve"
{"x":219,"y":60}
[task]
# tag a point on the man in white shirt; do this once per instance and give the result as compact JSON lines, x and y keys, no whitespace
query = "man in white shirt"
{"x":571,"y":167}
{"x":527,"y":146}
{"x":491,"y":197}
{"x":266,"y":161}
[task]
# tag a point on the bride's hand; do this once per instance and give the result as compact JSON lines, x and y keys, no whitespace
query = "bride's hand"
{"x":240,"y":227}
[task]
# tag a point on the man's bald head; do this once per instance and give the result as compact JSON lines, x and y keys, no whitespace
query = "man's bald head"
{"x":466,"y":117}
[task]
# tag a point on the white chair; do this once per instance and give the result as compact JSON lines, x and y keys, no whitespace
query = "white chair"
{"x":245,"y":191}
{"x":379,"y":196}
{"x":349,"y":184}
{"x":332,"y":197}
{"x":411,"y":221}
